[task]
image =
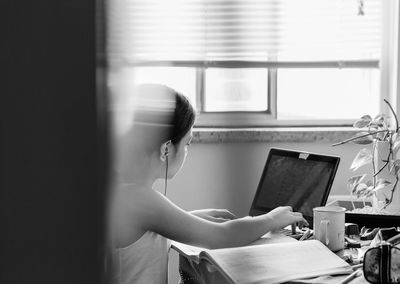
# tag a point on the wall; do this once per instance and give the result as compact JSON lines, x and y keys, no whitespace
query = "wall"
{"x":51,"y":192}
{"x":226,"y":175}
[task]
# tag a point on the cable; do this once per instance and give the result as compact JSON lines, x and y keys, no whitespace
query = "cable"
{"x":166,"y":153}
{"x":166,"y":176}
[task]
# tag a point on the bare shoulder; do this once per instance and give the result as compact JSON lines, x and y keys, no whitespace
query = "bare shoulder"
{"x":134,"y":200}
{"x":132,"y":211}
{"x":140,"y":210}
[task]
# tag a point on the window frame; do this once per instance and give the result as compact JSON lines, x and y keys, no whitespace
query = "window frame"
{"x":243,"y":119}
{"x":235,"y":118}
{"x":388,"y":64}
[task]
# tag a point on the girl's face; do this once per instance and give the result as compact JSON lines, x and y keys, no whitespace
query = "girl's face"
{"x":178,"y":155}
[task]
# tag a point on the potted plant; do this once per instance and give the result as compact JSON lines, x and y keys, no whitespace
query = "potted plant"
{"x":382,"y":185}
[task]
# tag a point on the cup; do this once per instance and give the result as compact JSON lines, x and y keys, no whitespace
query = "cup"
{"x":329,"y":226}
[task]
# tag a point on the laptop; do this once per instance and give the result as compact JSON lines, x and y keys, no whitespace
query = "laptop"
{"x":300,"y":179}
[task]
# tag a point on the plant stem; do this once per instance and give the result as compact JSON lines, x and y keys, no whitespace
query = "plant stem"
{"x":387,"y":160}
{"x":392,"y":193}
{"x":394,"y":114}
{"x":373,"y":164}
{"x":397,"y":177}
{"x":352,"y":203}
{"x":386,"y":163}
{"x":358,"y":137}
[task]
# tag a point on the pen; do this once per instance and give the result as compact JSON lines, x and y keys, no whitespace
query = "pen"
{"x":293,"y":229}
{"x":355,"y":274}
{"x":354,"y":267}
{"x":305,"y":235}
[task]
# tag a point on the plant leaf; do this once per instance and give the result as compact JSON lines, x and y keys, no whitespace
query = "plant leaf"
{"x":354,"y":180}
{"x":382,"y":181}
{"x":362,"y":122}
{"x":395,"y":137}
{"x":378,"y":187}
{"x":363,"y":138}
{"x":394,"y":166}
{"x":395,"y":147}
{"x":379,"y":121}
{"x":352,"y":188}
{"x":363,"y":157}
{"x":380,"y":184}
{"x":360,"y":189}
{"x":366,"y":117}
{"x":369,"y":194}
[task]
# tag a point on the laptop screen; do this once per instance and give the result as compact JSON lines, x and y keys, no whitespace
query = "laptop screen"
{"x":301,"y":180}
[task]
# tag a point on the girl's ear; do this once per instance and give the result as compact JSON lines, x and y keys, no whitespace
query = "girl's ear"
{"x":164,"y":150}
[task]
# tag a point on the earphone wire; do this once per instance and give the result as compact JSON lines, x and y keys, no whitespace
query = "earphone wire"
{"x":166,"y":166}
{"x":166,"y":176}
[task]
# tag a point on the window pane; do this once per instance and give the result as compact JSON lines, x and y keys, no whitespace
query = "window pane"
{"x":236,"y":89}
{"x":181,"y":79}
{"x":327,"y":93}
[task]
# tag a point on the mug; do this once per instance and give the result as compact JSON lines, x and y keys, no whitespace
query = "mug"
{"x":329,"y":226}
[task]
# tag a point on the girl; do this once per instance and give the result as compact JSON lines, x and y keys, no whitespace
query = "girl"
{"x":143,"y":220}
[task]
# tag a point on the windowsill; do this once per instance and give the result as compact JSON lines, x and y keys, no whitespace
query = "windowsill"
{"x":273,"y":134}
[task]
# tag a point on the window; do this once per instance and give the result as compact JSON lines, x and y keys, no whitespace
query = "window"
{"x":239,"y":89}
{"x":255,"y":62}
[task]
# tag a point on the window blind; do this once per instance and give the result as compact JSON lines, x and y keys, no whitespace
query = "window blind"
{"x":247,"y":30}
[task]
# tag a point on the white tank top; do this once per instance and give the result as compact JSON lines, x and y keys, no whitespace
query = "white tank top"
{"x":145,"y":261}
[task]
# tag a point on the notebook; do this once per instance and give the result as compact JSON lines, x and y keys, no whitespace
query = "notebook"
{"x":299,"y":179}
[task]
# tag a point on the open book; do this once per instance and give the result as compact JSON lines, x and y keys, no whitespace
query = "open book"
{"x":274,"y":262}
{"x":193,"y":252}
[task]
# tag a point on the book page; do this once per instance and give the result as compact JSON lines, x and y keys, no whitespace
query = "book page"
{"x":276,"y":263}
{"x":193,"y":252}
{"x":273,"y":238}
{"x":189,"y":251}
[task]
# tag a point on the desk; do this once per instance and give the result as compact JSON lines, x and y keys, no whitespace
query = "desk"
{"x":200,"y":273}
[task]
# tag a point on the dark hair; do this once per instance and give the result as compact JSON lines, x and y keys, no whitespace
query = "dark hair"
{"x":183,"y":119}
{"x":166,"y":114}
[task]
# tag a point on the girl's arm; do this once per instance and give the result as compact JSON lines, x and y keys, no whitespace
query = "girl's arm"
{"x":214,"y":215}
{"x":169,"y":220}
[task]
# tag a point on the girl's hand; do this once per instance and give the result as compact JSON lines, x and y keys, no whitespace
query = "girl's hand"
{"x":284,"y":216}
{"x":214,"y":215}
